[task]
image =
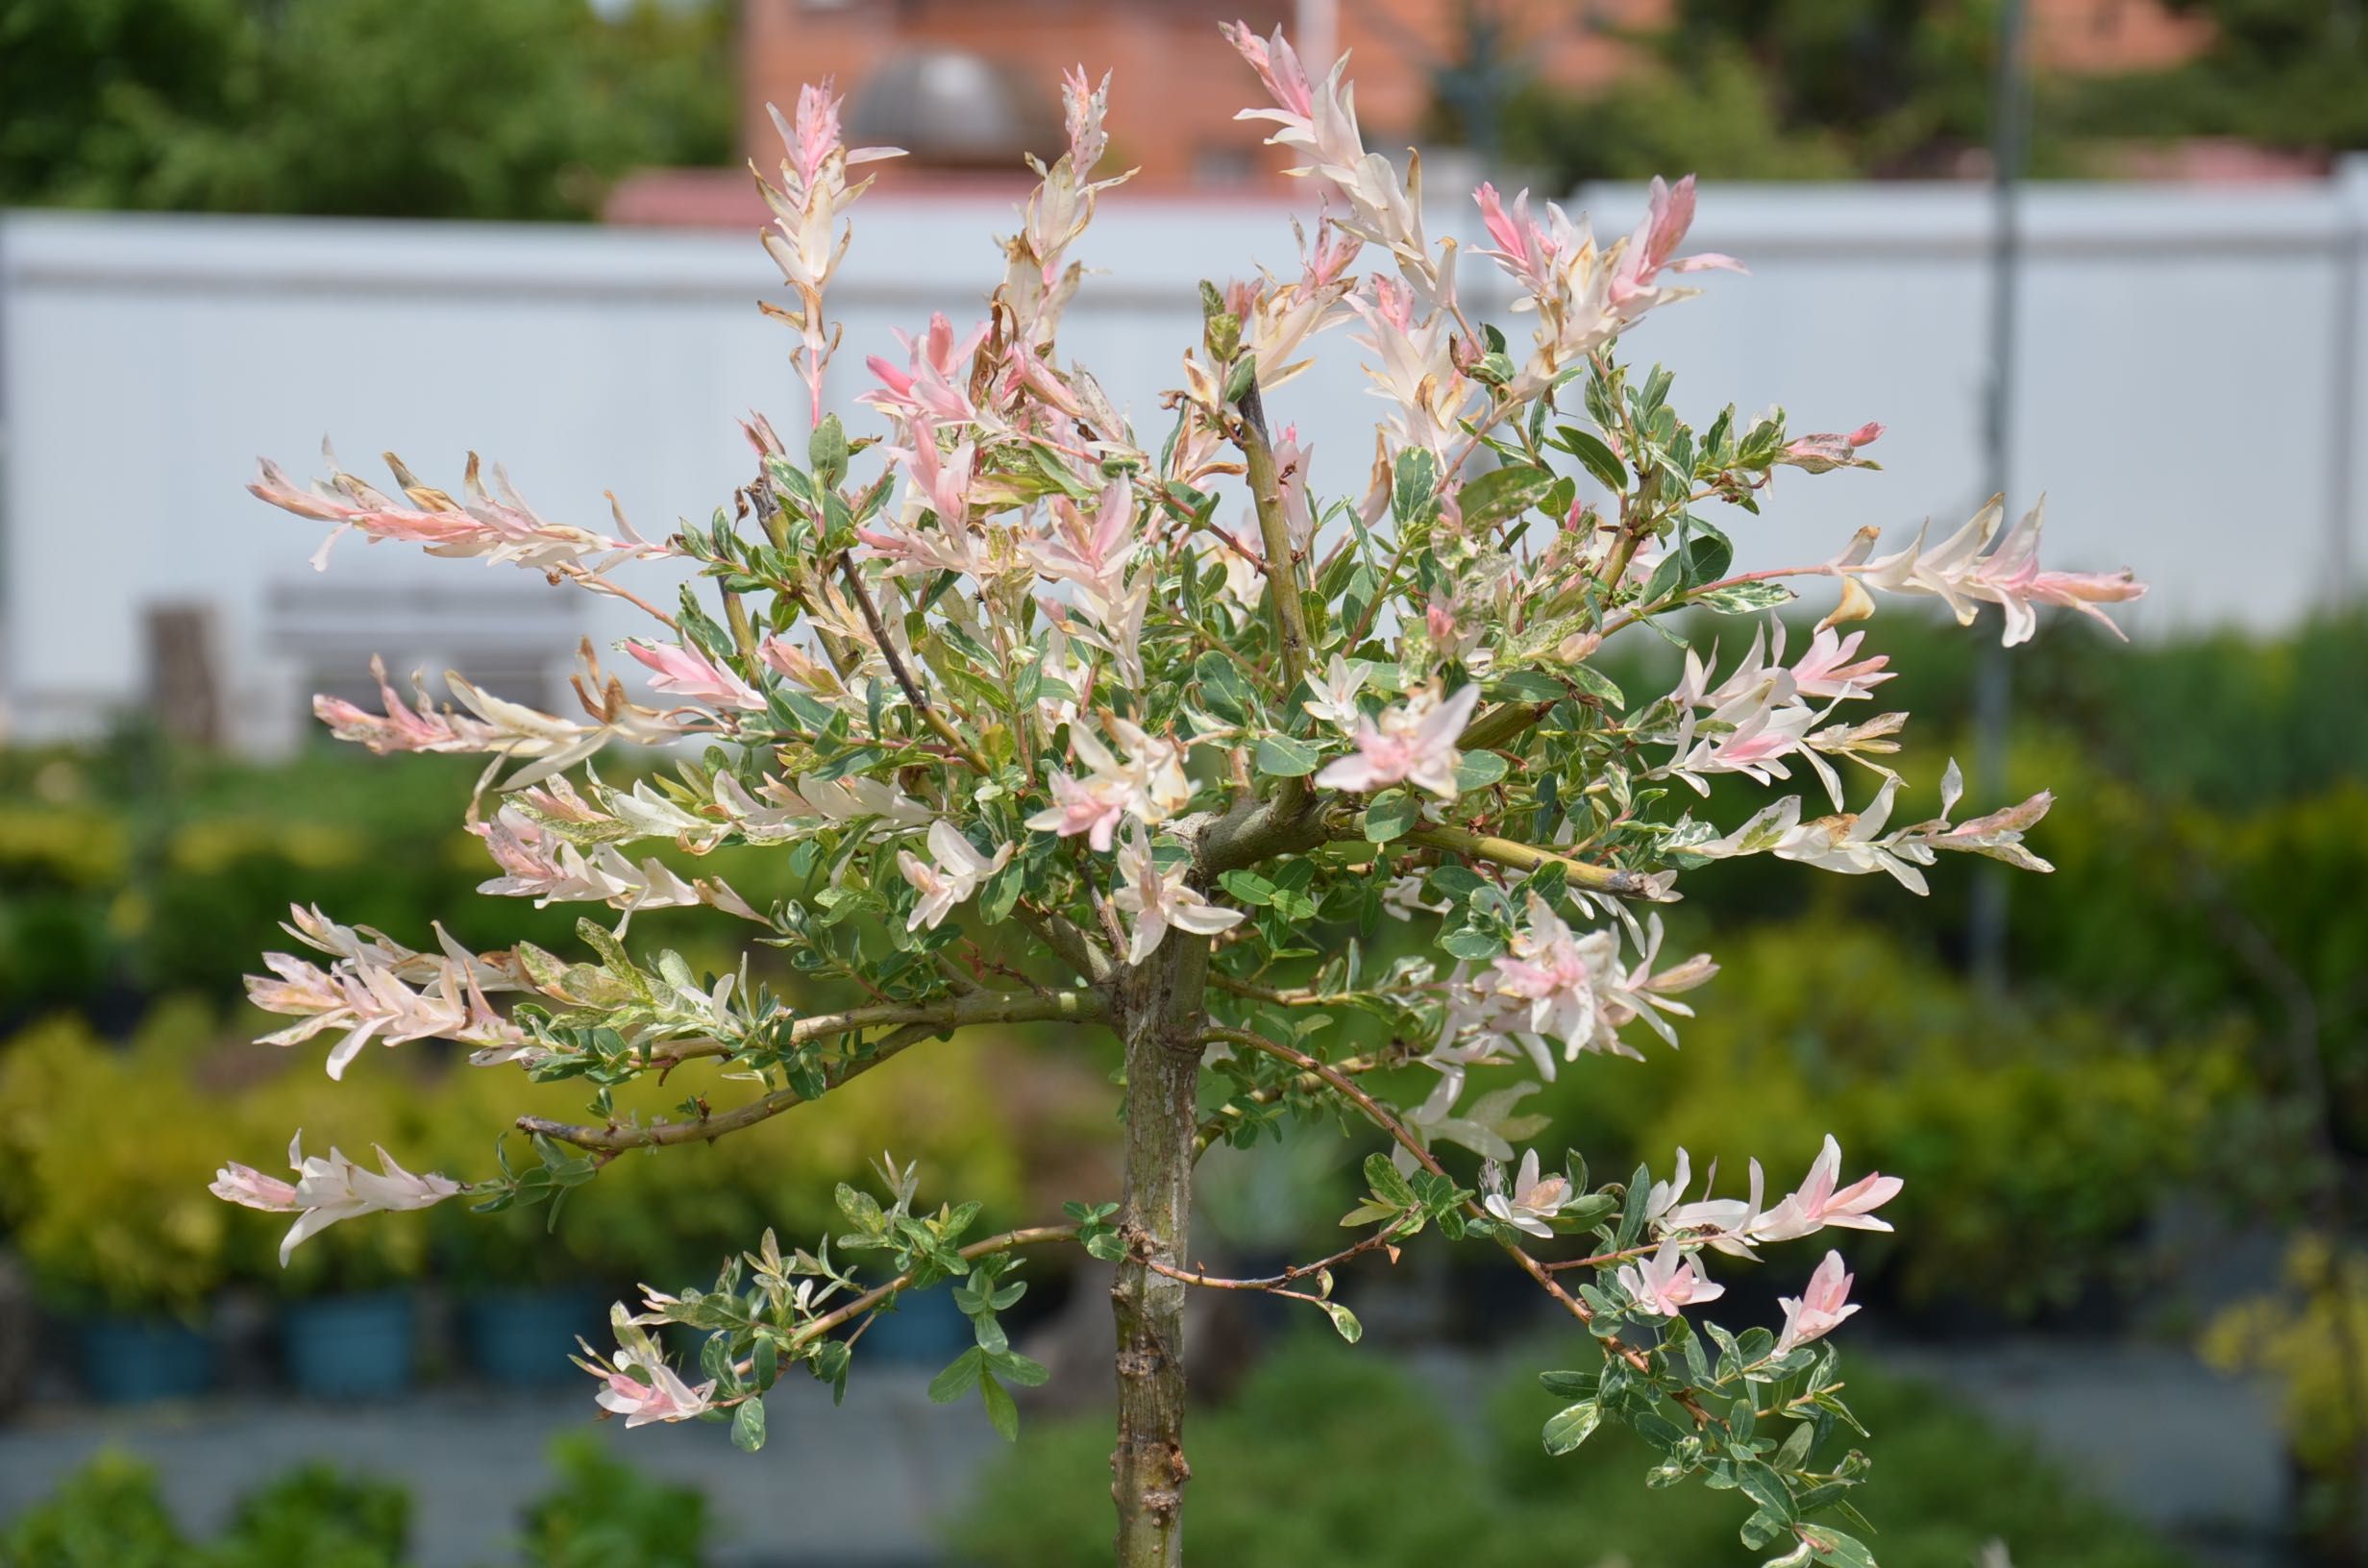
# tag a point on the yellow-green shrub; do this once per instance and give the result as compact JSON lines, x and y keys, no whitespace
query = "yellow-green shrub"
{"x":108,"y":1153}
{"x":2032,"y":1139}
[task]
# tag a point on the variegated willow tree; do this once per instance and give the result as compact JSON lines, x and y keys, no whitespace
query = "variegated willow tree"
{"x":1049,"y":729}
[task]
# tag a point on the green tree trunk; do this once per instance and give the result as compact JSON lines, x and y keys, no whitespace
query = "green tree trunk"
{"x":1163,"y":1017}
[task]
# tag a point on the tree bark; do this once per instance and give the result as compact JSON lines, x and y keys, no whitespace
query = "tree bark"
{"x":1163,"y":1015}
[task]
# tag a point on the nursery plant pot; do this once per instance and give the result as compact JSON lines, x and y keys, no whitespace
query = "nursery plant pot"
{"x":350,"y":1347}
{"x":522,"y":1338}
{"x":128,"y":1360}
{"x":925,"y":1330}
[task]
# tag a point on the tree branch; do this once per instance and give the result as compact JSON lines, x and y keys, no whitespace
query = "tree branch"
{"x":1527,"y":857}
{"x":1276,"y":1284}
{"x":1500,"y":724}
{"x":1072,"y":946}
{"x":1029,"y":1237}
{"x":1290,"y":616}
{"x":913,"y":694}
{"x":1254,"y":830}
{"x":919,"y":1023}
{"x":1387,"y":1123}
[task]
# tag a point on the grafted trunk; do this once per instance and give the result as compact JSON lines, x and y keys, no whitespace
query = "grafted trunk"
{"x":1163,"y":1017}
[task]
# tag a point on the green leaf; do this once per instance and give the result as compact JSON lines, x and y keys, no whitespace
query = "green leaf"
{"x":1597,"y":684}
{"x":1525,"y":686}
{"x":1392,"y":814}
{"x":1281,"y":756}
{"x":1599,"y":459}
{"x":1344,"y":1320}
{"x":1019,"y":1369}
{"x":1387,"y":1182}
{"x":1249,"y":888}
{"x":1665,"y":581}
{"x":1000,"y":1410}
{"x":956,"y":1381}
{"x":1632,"y":1217}
{"x":1503,"y":493}
{"x":1456,"y":881}
{"x":1410,"y":495}
{"x":1473,"y":943}
{"x":1765,"y":1487}
{"x":1244,"y":376}
{"x":1744,"y":598}
{"x":1568,"y":1385}
{"x":748,"y":1426}
{"x":1570,"y":1426}
{"x":826,"y":451}
{"x":1478,"y":769}
{"x":1707,"y":556}
{"x":1836,"y":1550}
{"x":1587,"y":1212}
{"x":1223,"y":690}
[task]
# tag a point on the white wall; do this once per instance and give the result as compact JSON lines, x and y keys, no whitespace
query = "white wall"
{"x":2177,"y":355}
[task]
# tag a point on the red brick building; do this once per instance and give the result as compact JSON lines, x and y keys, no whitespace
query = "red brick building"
{"x":1177,"y":83}
{"x":968,"y":84}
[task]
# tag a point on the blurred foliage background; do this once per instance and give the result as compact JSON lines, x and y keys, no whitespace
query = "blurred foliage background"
{"x":2183,"y":1054}
{"x":2187,"y":1006}
{"x":530,"y":108}
{"x":2161,"y":1127}
{"x":1815,"y":89}
{"x":420,"y":108}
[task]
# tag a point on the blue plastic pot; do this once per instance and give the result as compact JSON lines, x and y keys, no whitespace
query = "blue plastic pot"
{"x":127,"y":1360}
{"x":350,"y":1347}
{"x":523,"y":1338}
{"x":926,"y":1329}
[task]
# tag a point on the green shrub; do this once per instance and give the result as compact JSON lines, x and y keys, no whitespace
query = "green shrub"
{"x":600,"y":1513}
{"x":2032,"y":1139}
{"x":106,"y":1515}
{"x":314,"y":1517}
{"x":108,"y":1160}
{"x":1944,"y":1483}
{"x":1294,"y":1471}
{"x":1297,"y":1470}
{"x":603,"y":1514}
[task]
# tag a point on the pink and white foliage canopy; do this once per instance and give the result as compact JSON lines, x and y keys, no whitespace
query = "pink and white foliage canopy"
{"x":1171,"y":732}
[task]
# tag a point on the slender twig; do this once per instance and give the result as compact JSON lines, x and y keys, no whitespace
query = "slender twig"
{"x":1275,"y":1284}
{"x":1528,"y":857}
{"x":1282,"y":999}
{"x":913,"y":694}
{"x":1232,"y":1111}
{"x":1282,"y":567}
{"x":602,"y":585}
{"x":1029,"y":1237}
{"x":1381,"y":1117}
{"x":926,"y":1022}
{"x":1598,"y":1259}
{"x":1067,"y":941}
{"x":958,"y":977}
{"x":1679,"y":602}
{"x":708,"y":1128}
{"x":743,"y":632}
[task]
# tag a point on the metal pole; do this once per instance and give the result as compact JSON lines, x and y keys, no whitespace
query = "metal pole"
{"x":1993,"y":681}
{"x":2350,"y":186}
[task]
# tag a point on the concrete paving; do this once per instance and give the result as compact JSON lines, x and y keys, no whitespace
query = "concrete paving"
{"x":831,"y":1486}
{"x":2192,"y":1452}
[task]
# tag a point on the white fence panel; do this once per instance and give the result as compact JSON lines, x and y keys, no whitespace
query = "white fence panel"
{"x":2185,"y":395}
